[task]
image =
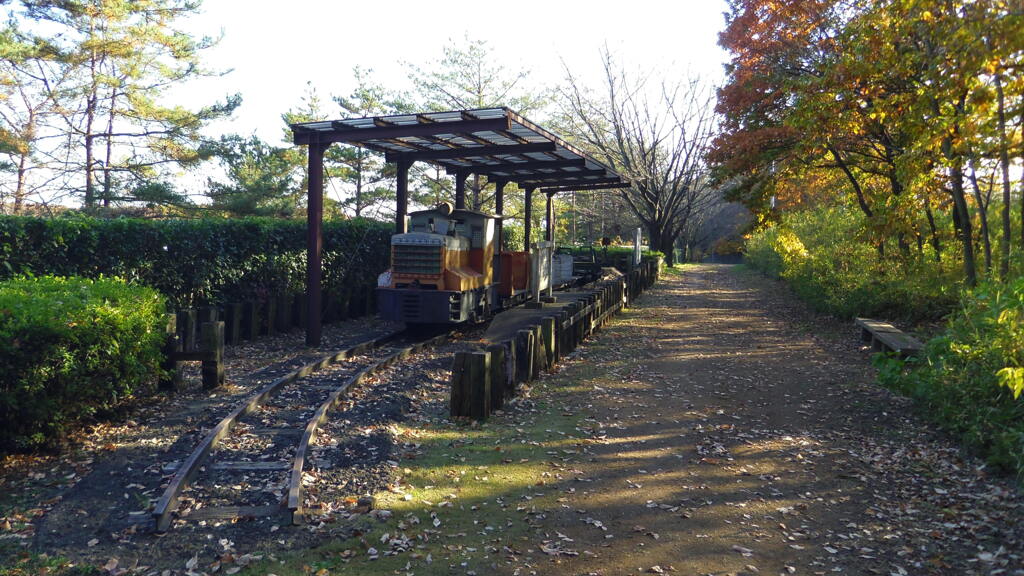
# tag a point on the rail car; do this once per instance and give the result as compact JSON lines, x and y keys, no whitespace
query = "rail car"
{"x":449,"y":269}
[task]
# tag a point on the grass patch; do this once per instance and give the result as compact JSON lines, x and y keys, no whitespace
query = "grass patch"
{"x":676,"y":271}
{"x":38,"y":564}
{"x":473,"y":500}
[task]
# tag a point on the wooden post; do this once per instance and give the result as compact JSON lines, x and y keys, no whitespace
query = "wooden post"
{"x":345,"y":302}
{"x":498,"y":378}
{"x":213,"y":345}
{"x":539,"y":354}
{"x":187,"y":328}
{"x":269,"y":316}
{"x":170,"y":368}
{"x":524,"y":356}
{"x":402,"y":195}
{"x":573,"y":328}
{"x":460,"y":189}
{"x":547,"y":326}
{"x":207,"y":314}
{"x":499,"y":210}
{"x":511,"y":367}
{"x":528,"y":216}
{"x":314,"y":241}
{"x":250,"y":320}
{"x":284,"y":313}
{"x":549,"y":217}
{"x":300,"y":310}
{"x":459,"y":407}
{"x":471,"y":385}
{"x":369,"y":308}
{"x":331,"y":312}
{"x":480,"y":405}
{"x":233,"y":319}
{"x":588,"y":324}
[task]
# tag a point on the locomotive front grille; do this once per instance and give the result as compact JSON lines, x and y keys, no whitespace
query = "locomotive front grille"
{"x":409,"y":305}
{"x":416,"y":259}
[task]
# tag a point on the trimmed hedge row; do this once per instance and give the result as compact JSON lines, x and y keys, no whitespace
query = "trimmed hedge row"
{"x":194,"y":262}
{"x":70,"y":347}
{"x":611,"y":252}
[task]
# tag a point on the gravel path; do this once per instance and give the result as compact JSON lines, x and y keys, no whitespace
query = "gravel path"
{"x":739,"y":434}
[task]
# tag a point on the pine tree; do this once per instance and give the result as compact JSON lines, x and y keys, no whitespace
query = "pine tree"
{"x":123,"y":54}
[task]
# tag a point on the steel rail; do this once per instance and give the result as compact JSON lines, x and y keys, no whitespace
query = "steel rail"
{"x":164,"y":510}
{"x":294,"y":501}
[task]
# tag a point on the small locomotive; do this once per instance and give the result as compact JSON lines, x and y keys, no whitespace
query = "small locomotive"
{"x":449,"y":269}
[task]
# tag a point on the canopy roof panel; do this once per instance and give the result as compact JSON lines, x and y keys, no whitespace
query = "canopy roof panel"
{"x":495,"y":142}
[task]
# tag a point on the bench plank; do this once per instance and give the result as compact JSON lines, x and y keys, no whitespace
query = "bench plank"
{"x":885,"y":336}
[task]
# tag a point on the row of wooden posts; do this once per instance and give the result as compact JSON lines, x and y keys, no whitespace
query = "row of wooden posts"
{"x":199,"y":334}
{"x":483,"y":380}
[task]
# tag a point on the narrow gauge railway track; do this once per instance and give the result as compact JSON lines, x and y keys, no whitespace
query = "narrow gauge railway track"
{"x":270,"y":436}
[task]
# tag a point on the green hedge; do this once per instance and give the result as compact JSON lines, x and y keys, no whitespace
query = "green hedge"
{"x":70,"y":347}
{"x":970,"y":379}
{"x":612,"y":252}
{"x":194,"y":262}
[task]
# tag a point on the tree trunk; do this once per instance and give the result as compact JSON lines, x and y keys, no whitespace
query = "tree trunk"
{"x":107,"y":184}
{"x":966,"y":231}
{"x":861,"y":200}
{"x":662,"y":240}
{"x":90,"y":116}
{"x":19,"y":191}
{"x":983,"y":214}
{"x":90,"y":191}
{"x":1004,"y":161}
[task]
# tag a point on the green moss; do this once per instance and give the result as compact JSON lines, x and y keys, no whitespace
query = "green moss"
{"x":37,"y":564}
{"x":485,"y":484}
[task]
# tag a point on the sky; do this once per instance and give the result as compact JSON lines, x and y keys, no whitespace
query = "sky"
{"x":274,"y":48}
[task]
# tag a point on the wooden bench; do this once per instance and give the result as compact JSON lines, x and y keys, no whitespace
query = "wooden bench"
{"x":885,"y":337}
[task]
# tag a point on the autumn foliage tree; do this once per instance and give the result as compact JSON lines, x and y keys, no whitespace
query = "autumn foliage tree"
{"x":915,"y":105}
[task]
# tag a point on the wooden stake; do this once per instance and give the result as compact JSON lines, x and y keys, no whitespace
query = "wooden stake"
{"x":212,"y":340}
{"x":498,"y":375}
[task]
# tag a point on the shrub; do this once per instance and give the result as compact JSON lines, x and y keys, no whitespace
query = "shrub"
{"x":194,"y":262}
{"x":965,"y":379}
{"x":822,"y":253}
{"x":610,"y":252}
{"x":70,"y":347}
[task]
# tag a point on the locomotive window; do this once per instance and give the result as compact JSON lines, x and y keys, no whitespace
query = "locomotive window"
{"x":478,"y":237}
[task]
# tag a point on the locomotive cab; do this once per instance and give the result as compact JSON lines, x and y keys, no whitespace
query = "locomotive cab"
{"x":442,"y":270}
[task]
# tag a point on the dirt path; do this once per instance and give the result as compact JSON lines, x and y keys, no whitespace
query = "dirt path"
{"x":739,"y":434}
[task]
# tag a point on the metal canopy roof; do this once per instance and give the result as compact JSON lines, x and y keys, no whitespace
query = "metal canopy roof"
{"x":494,"y":142}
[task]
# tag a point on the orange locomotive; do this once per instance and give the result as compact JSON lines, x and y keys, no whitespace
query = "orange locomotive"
{"x":448,"y":269}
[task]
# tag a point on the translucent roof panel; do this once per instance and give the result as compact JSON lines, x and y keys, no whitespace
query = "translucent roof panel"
{"x":493,"y":141}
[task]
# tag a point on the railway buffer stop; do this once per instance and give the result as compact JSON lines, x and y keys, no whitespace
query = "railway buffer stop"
{"x":494,"y":142}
